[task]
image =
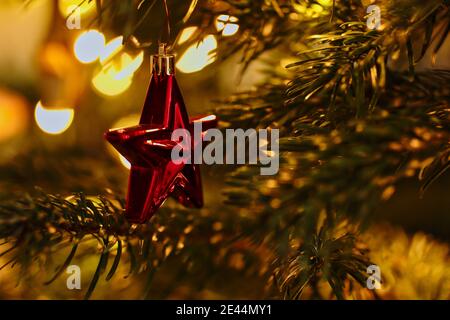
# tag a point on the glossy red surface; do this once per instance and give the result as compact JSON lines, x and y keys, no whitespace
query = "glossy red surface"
{"x":148,"y":146}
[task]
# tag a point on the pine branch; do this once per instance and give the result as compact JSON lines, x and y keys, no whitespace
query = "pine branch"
{"x":351,"y":62}
{"x":35,"y":226}
{"x":352,"y":166}
{"x":334,"y":259}
{"x":64,"y":168}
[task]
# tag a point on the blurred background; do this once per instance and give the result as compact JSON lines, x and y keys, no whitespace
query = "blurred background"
{"x":61,"y":89}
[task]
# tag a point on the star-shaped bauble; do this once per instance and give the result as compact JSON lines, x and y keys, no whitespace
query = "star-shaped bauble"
{"x":148,"y":147}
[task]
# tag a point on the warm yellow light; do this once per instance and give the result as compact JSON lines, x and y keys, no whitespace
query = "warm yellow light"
{"x":198,"y":56}
{"x":226,"y":24}
{"x":325,"y":3}
{"x":106,"y":82}
{"x":53,"y":121}
{"x":116,"y":77}
{"x":89,"y":46}
{"x":129,"y":65}
{"x":13,"y":114}
{"x":67,"y":7}
{"x":186,"y":34}
{"x":113,"y":47}
{"x":313,"y":10}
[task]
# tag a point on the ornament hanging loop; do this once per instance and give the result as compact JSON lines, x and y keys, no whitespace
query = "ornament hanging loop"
{"x":163,"y":63}
{"x":162,"y":49}
{"x":166,"y":35}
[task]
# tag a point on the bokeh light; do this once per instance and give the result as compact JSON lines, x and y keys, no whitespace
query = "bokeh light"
{"x":227,"y":24}
{"x":13,"y":114}
{"x":116,"y":77}
{"x":106,"y":81}
{"x":198,"y":56}
{"x":313,"y":10}
{"x":186,"y":34}
{"x":66,"y":7}
{"x":113,"y":47}
{"x":89,"y":46}
{"x":117,"y":67}
{"x":129,"y":65}
{"x":325,"y":3}
{"x":53,"y":121}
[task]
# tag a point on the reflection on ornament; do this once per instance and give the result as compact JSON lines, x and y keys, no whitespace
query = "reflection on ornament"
{"x":127,"y":121}
{"x":198,"y":56}
{"x":125,"y":162}
{"x":89,"y":46}
{"x":53,"y":121}
{"x":13,"y":115}
{"x":116,"y":77}
{"x":227,"y":25}
{"x":186,"y":34}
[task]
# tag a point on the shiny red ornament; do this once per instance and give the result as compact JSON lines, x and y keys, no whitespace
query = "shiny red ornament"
{"x":148,"y":147}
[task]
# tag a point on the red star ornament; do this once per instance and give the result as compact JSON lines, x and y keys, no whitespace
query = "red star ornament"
{"x":154,"y":176}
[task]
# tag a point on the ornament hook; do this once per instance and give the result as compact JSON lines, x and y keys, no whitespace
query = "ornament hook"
{"x":163,"y":63}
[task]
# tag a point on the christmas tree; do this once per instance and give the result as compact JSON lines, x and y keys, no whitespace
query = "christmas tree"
{"x":358,"y":92}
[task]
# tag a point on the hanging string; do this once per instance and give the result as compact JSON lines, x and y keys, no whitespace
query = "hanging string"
{"x":166,"y":34}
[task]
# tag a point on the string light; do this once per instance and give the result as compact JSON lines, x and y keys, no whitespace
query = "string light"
{"x":198,"y":56}
{"x":53,"y":121}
